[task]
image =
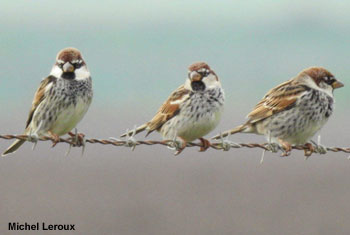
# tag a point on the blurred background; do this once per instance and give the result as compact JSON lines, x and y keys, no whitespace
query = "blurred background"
{"x":138,"y":53}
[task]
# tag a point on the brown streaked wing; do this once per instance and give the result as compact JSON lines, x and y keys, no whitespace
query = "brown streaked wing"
{"x":168,"y":110}
{"x":276,"y":100}
{"x":39,"y":96}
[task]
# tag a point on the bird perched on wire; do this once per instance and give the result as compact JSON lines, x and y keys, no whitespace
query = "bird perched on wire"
{"x":291,"y":113}
{"x":61,"y":100}
{"x":191,"y":111}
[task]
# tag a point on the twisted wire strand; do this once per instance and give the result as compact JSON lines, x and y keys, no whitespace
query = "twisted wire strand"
{"x":218,"y":145}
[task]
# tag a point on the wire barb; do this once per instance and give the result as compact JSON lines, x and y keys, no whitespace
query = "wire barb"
{"x":319,"y":148}
{"x":226,"y":144}
{"x":131,"y":140}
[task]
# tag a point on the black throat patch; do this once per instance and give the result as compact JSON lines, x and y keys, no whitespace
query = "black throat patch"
{"x":68,"y":75}
{"x":198,"y":86}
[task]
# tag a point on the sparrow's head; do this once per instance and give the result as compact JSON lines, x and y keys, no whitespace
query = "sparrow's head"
{"x":70,"y":65}
{"x":322,"y":78}
{"x":201,"y":77}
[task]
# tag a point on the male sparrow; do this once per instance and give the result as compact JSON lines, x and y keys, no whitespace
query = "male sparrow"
{"x":191,"y":111}
{"x":61,"y":100}
{"x":291,"y":113}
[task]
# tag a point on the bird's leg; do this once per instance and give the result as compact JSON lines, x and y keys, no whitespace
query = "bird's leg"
{"x":180,"y":147}
{"x":287,"y":148}
{"x":205,"y":144}
{"x":308,"y":150}
{"x":178,"y":143}
{"x":55,"y":138}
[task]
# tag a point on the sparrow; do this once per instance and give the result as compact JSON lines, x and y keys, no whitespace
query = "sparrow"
{"x":291,"y":113}
{"x":191,"y":111}
{"x":61,"y":100}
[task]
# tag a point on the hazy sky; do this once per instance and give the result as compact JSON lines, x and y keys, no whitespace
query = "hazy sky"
{"x":132,"y":47}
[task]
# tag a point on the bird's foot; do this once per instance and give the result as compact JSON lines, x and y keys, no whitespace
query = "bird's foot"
{"x":205,"y":144}
{"x":55,"y":139}
{"x":177,"y":144}
{"x":286,"y":148}
{"x":309,"y":149}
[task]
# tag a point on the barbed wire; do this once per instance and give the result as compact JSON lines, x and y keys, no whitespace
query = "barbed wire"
{"x":131,"y":142}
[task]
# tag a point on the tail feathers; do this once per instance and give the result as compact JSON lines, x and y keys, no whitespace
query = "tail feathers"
{"x":240,"y":128}
{"x":13,"y":148}
{"x":138,"y":130}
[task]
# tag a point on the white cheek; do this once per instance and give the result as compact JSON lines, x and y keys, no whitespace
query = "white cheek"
{"x":82,"y":73}
{"x":323,"y":87}
{"x":56,"y":71}
{"x":211,"y":81}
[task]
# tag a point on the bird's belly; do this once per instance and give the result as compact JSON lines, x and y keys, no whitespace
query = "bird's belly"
{"x":190,"y":128}
{"x":197,"y":117}
{"x":296,"y":128}
{"x":69,"y":117}
{"x":305,"y":134}
{"x":198,"y":129}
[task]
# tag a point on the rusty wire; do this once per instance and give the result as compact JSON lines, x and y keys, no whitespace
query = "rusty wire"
{"x":132,"y":143}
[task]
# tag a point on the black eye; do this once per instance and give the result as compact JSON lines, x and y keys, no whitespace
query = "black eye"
{"x":329,"y":80}
{"x":77,"y":65}
{"x":60,"y":65}
{"x":204,"y":73}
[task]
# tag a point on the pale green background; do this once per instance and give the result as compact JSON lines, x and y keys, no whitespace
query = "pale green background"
{"x":138,"y":52}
